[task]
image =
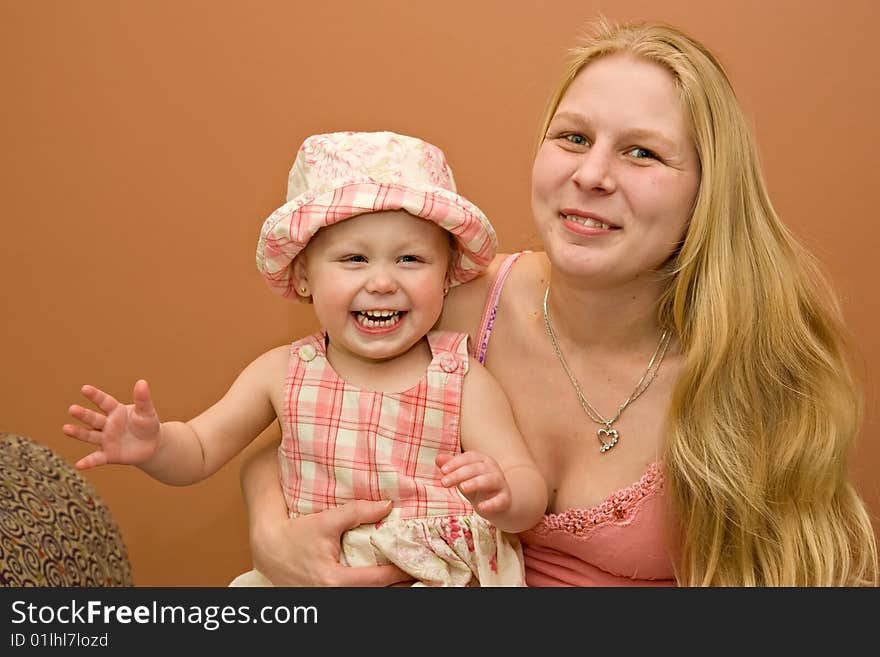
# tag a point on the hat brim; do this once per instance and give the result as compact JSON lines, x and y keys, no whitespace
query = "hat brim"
{"x":288,"y":229}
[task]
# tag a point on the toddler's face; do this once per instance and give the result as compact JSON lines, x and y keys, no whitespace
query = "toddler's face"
{"x":377,"y":281}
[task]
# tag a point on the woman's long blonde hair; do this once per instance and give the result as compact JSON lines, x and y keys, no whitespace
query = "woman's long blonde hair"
{"x":766,"y":408}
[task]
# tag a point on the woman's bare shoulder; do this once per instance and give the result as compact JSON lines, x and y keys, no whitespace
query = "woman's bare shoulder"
{"x":464,"y":304}
{"x":532,"y":268}
{"x":527,"y":278}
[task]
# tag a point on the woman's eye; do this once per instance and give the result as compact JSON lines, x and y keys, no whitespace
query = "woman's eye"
{"x":578,"y":140}
{"x":642,"y":153}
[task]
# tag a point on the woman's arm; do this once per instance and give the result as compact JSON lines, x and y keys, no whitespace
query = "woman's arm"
{"x":304,"y":551}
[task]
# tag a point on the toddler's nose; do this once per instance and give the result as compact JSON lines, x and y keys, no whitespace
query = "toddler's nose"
{"x":381,"y":281}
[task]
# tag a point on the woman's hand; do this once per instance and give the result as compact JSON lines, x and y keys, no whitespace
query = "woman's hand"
{"x":304,"y":551}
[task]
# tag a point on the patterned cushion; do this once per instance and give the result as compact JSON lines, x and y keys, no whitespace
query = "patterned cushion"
{"x":54,"y":530}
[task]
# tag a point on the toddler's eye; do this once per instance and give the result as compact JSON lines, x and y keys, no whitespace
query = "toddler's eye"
{"x":408,"y":258}
{"x":354,"y":258}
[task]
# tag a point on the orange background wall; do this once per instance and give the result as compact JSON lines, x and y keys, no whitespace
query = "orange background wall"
{"x":144,"y":142}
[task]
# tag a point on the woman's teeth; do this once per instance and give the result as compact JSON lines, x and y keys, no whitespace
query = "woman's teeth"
{"x":587,"y":221}
{"x":378,"y":318}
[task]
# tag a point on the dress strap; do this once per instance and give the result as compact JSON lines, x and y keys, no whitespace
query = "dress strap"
{"x":487,"y":321}
{"x":448,"y":347}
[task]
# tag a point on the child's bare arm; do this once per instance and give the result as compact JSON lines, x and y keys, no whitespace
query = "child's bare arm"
{"x":179,"y":453}
{"x":496,"y":472}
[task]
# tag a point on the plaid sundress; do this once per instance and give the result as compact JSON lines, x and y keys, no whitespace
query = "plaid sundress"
{"x":342,"y":443}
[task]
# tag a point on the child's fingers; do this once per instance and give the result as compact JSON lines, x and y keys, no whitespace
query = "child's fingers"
{"x":488,"y":483}
{"x":455,"y":477}
{"x":495,"y":503}
{"x":454,"y":461}
{"x":88,"y":416}
{"x":143,"y":400}
{"x":83,"y":434}
{"x":92,"y":460}
{"x":100,"y":398}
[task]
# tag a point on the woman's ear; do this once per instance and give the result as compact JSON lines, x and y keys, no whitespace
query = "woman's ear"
{"x":300,"y":277}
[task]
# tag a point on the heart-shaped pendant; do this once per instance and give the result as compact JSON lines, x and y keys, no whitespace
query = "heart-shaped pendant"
{"x":609,"y":440}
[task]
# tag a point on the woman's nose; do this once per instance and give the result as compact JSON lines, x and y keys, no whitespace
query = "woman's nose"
{"x":595,"y":170}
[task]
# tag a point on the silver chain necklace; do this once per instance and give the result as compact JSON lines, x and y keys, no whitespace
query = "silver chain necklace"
{"x":607,"y":434}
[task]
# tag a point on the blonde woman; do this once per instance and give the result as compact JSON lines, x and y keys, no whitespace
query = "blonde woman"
{"x":674,"y":358}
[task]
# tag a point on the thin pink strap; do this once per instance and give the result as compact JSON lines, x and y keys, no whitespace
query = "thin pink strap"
{"x":491,"y":307}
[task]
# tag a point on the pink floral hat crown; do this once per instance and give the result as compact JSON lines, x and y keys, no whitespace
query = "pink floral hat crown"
{"x":341,"y":175}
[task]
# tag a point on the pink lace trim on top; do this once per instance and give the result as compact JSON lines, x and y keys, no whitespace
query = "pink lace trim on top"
{"x":618,"y":508}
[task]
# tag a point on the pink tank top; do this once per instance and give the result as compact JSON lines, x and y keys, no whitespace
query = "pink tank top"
{"x":620,"y":542}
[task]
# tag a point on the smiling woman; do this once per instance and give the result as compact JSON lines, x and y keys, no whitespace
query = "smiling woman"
{"x":615,"y":180}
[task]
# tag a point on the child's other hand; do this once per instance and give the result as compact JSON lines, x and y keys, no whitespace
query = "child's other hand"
{"x":124,"y":433}
{"x":478,"y":477}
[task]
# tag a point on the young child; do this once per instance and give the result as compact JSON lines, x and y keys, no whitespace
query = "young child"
{"x":377,"y":405}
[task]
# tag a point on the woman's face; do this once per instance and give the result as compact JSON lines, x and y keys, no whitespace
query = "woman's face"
{"x":614,"y":182}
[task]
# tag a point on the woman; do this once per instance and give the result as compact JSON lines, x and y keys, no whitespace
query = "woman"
{"x":674,"y":358}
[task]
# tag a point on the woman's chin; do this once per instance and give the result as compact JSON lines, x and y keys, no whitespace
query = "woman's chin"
{"x":577,"y":260}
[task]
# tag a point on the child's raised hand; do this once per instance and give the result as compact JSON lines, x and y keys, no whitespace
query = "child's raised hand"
{"x":124,"y":433}
{"x":478,"y":477}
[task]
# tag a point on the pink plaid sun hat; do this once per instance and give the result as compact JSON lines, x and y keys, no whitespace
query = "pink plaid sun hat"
{"x":341,"y":175}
